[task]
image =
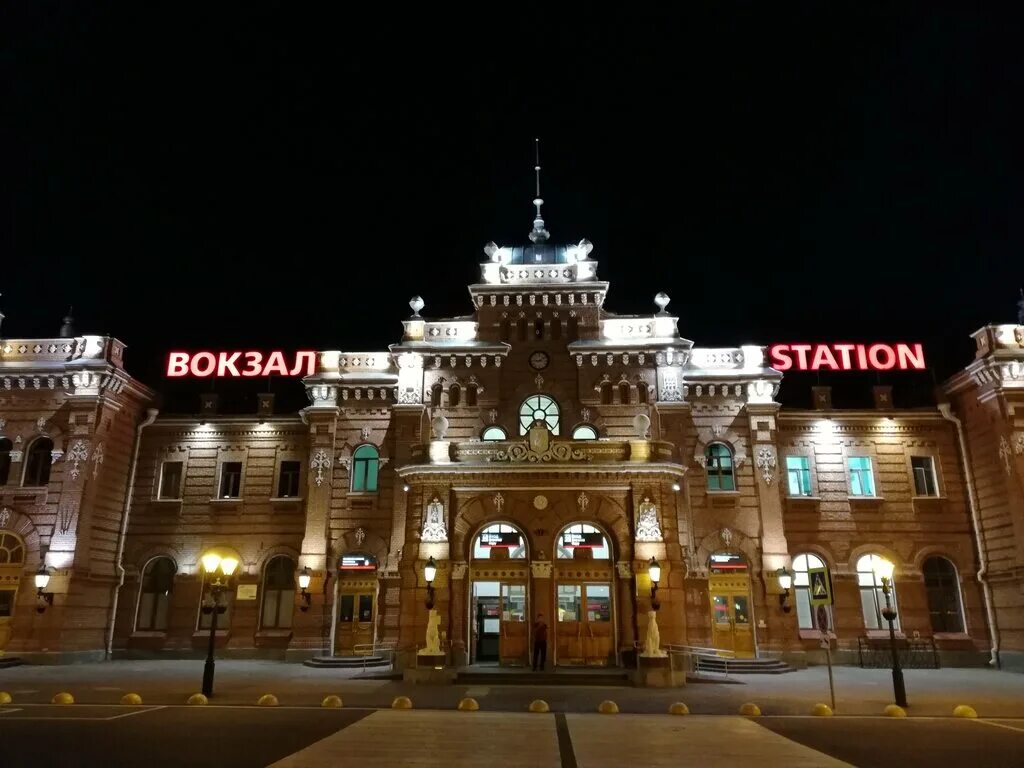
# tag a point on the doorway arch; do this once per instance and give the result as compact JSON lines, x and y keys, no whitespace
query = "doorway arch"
{"x":732,"y":626}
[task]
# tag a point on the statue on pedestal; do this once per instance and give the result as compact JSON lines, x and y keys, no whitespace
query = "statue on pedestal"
{"x":433,"y":647}
{"x":652,"y":642}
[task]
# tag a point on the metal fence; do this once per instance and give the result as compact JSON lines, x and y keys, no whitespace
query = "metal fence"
{"x":914,"y":653}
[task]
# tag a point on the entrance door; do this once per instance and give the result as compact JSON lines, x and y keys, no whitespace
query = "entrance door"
{"x":730,"y":623}
{"x":584,"y":632}
{"x":488,"y":627}
{"x":355,"y":623}
{"x":512,"y":645}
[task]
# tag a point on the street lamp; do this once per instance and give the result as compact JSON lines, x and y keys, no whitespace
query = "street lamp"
{"x":786,"y":582}
{"x":430,"y":573}
{"x":654,"y":571}
{"x":304,"y":579}
{"x":215,"y":565}
{"x":42,"y":580}
{"x":883,"y":571}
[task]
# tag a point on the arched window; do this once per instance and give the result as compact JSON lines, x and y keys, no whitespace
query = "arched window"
{"x":12,"y":551}
{"x":500,"y":536}
{"x":582,"y":536}
{"x":494,"y":433}
{"x":5,"y":459}
{"x":278,"y":593}
{"x":719,"y":468}
{"x":521,"y":328}
{"x":642,"y":393}
{"x":37,"y":462}
{"x":872,"y":601}
{"x":606,"y":393}
{"x":471,"y":392}
{"x":538,"y":408}
{"x":585,"y":432}
{"x":155,"y":595}
{"x":435,"y":396}
{"x":573,"y":329}
{"x":624,"y":393}
{"x":944,"y":603}
{"x":505,"y":332}
{"x":12,"y":559}
{"x":365,"y":463}
{"x":538,"y":328}
{"x":454,"y":395}
{"x":556,"y":328}
{"x":807,"y":616}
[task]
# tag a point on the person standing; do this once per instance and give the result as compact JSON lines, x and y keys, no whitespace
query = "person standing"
{"x":540,"y":643}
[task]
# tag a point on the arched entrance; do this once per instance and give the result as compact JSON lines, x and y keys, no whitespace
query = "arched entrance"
{"x":732,"y":626}
{"x":356,"y":604}
{"x":12,"y":563}
{"x":499,"y":626}
{"x":584,"y":617}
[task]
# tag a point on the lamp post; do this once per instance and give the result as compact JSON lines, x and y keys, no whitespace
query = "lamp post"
{"x":215,"y":565}
{"x":304,"y":579}
{"x":429,"y":574}
{"x":883,"y":570}
{"x":42,"y":580}
{"x":654,"y":571}
{"x":786,"y":582}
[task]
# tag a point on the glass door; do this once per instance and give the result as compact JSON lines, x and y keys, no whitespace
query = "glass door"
{"x":584,"y":629}
{"x":355,"y":623}
{"x":730,"y":624}
{"x":513,"y":642}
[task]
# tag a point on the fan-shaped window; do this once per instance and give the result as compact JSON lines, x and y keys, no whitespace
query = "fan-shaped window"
{"x":872,"y":600}
{"x":538,"y":408}
{"x":38,"y":461}
{"x":943,"y":586}
{"x":806,"y":615}
{"x":12,"y":551}
{"x":500,"y":536}
{"x":155,"y":596}
{"x":720,"y":468}
{"x":494,"y":433}
{"x":584,"y":432}
{"x":365,"y":464}
{"x":582,"y":536}
{"x":278,"y":593}
{"x":5,"y":459}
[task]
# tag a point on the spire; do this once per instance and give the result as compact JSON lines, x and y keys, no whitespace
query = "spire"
{"x":539,"y":233}
{"x":67,"y":331}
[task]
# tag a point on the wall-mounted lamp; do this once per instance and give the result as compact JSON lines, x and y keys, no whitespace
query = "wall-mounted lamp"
{"x":786,"y":582}
{"x":405,"y":488}
{"x":677,"y":487}
{"x":430,"y":573}
{"x":304,"y":579}
{"x":654,"y":571}
{"x":42,"y":581}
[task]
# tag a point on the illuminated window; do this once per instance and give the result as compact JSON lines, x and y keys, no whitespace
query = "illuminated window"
{"x":924,"y":475}
{"x":538,"y":408}
{"x":38,"y":461}
{"x":365,"y":465}
{"x":278,"y":593}
{"x":155,"y":595}
{"x":798,"y":473}
{"x":494,"y":433}
{"x":170,"y":480}
{"x":230,"y":479}
{"x":862,"y":481}
{"x":582,"y":536}
{"x":584,"y":432}
{"x":806,"y":614}
{"x":872,"y":600}
{"x":500,"y":536}
{"x":5,"y":459}
{"x":719,"y":468}
{"x":942,"y":584}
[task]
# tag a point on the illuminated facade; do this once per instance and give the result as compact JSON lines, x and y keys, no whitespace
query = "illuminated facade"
{"x":542,"y":451}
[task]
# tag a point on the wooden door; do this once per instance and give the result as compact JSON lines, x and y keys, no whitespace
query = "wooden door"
{"x":584,"y":631}
{"x":731,"y":628}
{"x":514,"y":633}
{"x":354,"y":633}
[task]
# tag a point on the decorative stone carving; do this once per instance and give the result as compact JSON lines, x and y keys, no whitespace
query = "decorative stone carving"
{"x":584,"y":414}
{"x":79,"y":453}
{"x":360,"y":536}
{"x":320,"y":462}
{"x":642,"y":425}
{"x":582,"y":501}
{"x":16,"y":456}
{"x":459,"y":569}
{"x":364,"y":433}
{"x":1004,"y":453}
{"x":539,"y":381}
{"x":3,"y":424}
{"x":439,"y":426}
{"x":5,"y":517}
{"x":41,"y":424}
{"x":625,"y":569}
{"x":97,"y":459}
{"x":540,"y":502}
{"x":556,"y":452}
{"x":1018,"y":446}
{"x":541,"y":569}
{"x":648,"y":529}
{"x":433,"y":523}
{"x":717,"y":430}
{"x":766,"y":463}
{"x":726,"y":536}
{"x":499,"y":503}
{"x":56,"y":455}
{"x":492,"y":415}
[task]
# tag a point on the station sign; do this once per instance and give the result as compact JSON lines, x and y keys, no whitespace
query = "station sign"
{"x":846,"y":357}
{"x":239,"y":365}
{"x":591,"y":540}
{"x":496,"y":540}
{"x":727,"y":562}
{"x":357,"y":563}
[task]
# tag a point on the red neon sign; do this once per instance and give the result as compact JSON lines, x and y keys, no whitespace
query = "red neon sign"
{"x":847,"y":357}
{"x":238,"y":364}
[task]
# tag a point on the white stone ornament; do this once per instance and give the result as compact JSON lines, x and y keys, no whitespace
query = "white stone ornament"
{"x":439,"y":426}
{"x":360,"y":536}
{"x":648,"y":529}
{"x":5,"y":517}
{"x":416,"y":304}
{"x":726,"y":535}
{"x":582,"y":501}
{"x":433,"y":523}
{"x":1005,"y":453}
{"x":652,"y":640}
{"x":320,"y":462}
{"x":642,"y":425}
{"x":766,"y":463}
{"x":79,"y":453}
{"x":661,"y":300}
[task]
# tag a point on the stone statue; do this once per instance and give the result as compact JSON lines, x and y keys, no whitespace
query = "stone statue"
{"x":652,"y":642}
{"x":433,"y":647}
{"x":433,"y":522}
{"x":647,"y":526}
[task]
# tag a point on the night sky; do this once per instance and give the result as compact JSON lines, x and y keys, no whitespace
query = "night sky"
{"x":215,"y":176}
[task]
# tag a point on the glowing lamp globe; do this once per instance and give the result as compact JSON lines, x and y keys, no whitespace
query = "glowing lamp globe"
{"x":785,"y":578}
{"x":228,"y":565}
{"x":654,"y":569}
{"x":304,"y":578}
{"x":430,"y":570}
{"x":883,"y":569}
{"x":42,"y":578}
{"x":211,"y":562}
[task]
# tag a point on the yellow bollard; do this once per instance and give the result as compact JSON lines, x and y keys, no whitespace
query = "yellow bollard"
{"x":821,"y":710}
{"x":196,"y":699}
{"x":894,"y":710}
{"x":750,"y":710}
{"x":608,"y":707}
{"x":131,"y":699}
{"x":401,"y":702}
{"x":965,"y":711}
{"x":468,"y":704}
{"x":332,"y":702}
{"x":63,"y":698}
{"x":539,"y":705}
{"x":679,"y":709}
{"x":267,"y":700}
{"x":5,"y":697}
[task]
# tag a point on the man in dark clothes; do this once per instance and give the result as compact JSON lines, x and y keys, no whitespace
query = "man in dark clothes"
{"x":540,"y":642}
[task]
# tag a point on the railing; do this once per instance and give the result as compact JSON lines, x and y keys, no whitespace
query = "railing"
{"x":383,"y":649}
{"x":914,"y":653}
{"x":686,"y":658}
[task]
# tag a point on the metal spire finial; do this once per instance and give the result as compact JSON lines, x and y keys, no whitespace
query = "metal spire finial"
{"x":539,"y":233}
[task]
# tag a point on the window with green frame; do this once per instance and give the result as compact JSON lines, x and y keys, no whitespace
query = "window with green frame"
{"x":798,"y":473}
{"x":862,"y":482}
{"x":365,"y":464}
{"x":719,"y":468}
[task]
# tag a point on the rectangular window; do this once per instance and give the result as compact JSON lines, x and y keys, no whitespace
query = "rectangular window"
{"x":798,"y":472}
{"x":170,"y":480}
{"x":924,"y":475}
{"x":569,"y":597}
{"x":288,"y":483}
{"x":346,"y":610}
{"x":365,"y":608}
{"x":6,"y":603}
{"x":230,"y":479}
{"x":862,"y":483}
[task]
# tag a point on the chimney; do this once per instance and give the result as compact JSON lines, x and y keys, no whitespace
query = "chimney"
{"x":883,"y":397}
{"x":822,"y":397}
{"x":208,"y":404}
{"x":265,"y":404}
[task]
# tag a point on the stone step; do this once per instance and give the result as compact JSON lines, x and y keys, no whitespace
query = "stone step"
{"x":742,"y":666}
{"x":10,"y":661}
{"x":347,"y":662}
{"x":525,"y":677}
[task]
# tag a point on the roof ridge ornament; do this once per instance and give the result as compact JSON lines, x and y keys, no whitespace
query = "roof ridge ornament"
{"x":539,"y":233}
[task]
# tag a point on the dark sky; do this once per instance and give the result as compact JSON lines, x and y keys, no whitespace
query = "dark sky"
{"x":260,"y":175}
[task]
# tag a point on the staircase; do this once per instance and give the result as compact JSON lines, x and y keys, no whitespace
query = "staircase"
{"x":348,"y":662}
{"x":724,"y":666}
{"x":10,"y":661}
{"x":603,"y":677}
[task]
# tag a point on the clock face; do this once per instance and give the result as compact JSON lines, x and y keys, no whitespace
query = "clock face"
{"x":539,"y":360}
